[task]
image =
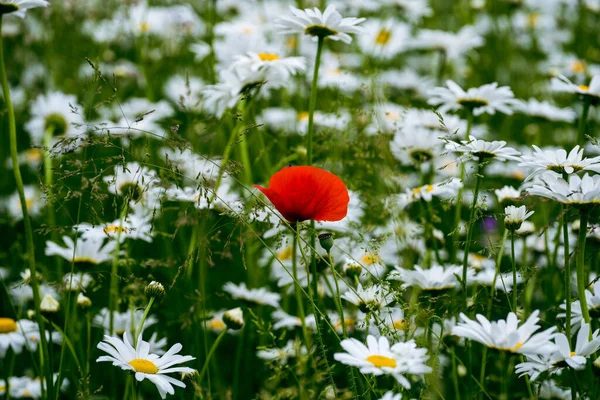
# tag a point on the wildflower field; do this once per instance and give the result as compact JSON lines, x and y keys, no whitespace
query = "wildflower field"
{"x":279,"y":199}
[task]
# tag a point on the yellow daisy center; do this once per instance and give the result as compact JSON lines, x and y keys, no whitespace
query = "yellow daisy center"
{"x":573,"y":354}
{"x":302,"y":116}
{"x":517,"y":347}
{"x":400,"y":325}
{"x":383,"y":37}
{"x":291,"y":43}
{"x":27,"y":393}
{"x":392,"y":116}
{"x":115,"y":229}
{"x":416,"y":191}
{"x":430,"y":188}
{"x":472,"y":102}
{"x":216,"y":324}
{"x":532,"y":19}
{"x":268,"y":56}
{"x":285,"y":254}
{"x":585,"y":88}
{"x":144,"y":27}
{"x":143,"y":366}
{"x":370,"y":259}
{"x":29,"y":203}
{"x":382,"y":361}
{"x":247,"y":31}
{"x":7,"y":325}
{"x":578,"y":67}
{"x":33,"y":155}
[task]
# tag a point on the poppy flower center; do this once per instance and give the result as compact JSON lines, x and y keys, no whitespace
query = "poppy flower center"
{"x":268,"y":56}
{"x":382,"y":361}
{"x":383,"y":37}
{"x":143,"y":366}
{"x":7,"y":325}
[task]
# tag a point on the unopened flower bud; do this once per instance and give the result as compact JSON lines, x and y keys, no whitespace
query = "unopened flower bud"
{"x":352,"y":269}
{"x":234,"y":318}
{"x":189,"y":377}
{"x":326,"y":241}
{"x":31,"y":314}
{"x":83,"y":301}
{"x":49,"y":304}
{"x":155,"y":289}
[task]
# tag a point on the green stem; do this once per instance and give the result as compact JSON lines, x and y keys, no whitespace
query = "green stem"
{"x":514,"y":271}
{"x":583,"y":218}
{"x":210,"y":354}
{"x":583,"y":121}
{"x":138,"y":331}
{"x":49,"y":190}
{"x":470,"y":229}
{"x":297,"y":288}
{"x":567,"y":272}
{"x":114,"y":282}
{"x":457,"y":210}
{"x":12,"y":131}
{"x":313,"y":102}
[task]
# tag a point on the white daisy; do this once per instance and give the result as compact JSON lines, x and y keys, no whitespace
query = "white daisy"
{"x":384,"y":39}
{"x":144,"y":364}
{"x":260,"y":296}
{"x":282,"y":355}
{"x":378,"y":358}
{"x":545,"y":110}
{"x":593,"y":302}
{"x":485,"y":99}
{"x":557,"y":160}
{"x":269,"y":65}
{"x":580,"y":191}
{"x":507,"y":334}
{"x":391,"y":396}
{"x":454,"y":45}
{"x":15,"y":334}
{"x":91,"y":251}
{"x":507,"y":193}
{"x":313,"y":22}
{"x":77,"y":281}
{"x":20,"y":7}
{"x":515,"y":216}
{"x":484,"y":149}
{"x":368,"y":299}
{"x":563,"y":84}
{"x":33,"y":200}
{"x":437,"y":277}
{"x":131,"y":180}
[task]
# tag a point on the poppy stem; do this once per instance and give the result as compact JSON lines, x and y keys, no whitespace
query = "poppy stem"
{"x":297,"y":288}
{"x":12,"y":133}
{"x":313,"y":102}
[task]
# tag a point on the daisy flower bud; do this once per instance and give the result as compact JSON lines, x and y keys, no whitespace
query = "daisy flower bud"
{"x":155,"y":289}
{"x":83,"y":301}
{"x":49,"y":304}
{"x":515,"y":217}
{"x":234,"y":318}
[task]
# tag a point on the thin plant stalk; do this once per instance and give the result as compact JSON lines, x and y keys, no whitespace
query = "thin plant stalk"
{"x":313,"y":102}
{"x":12,"y":132}
{"x":567,"y":272}
{"x":514,"y":271}
{"x":140,"y":326}
{"x":470,"y":229}
{"x":210,"y":354}
{"x":583,"y":122}
{"x":457,"y":210}
{"x":583,"y":219}
{"x":297,"y":289}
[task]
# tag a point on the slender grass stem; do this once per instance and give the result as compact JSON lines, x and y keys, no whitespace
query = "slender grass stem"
{"x":140,"y":327}
{"x":12,"y":132}
{"x":313,"y":102}
{"x":581,"y":283}
{"x":514,"y":271}
{"x":210,"y":354}
{"x":567,"y":272}
{"x":583,"y":122}
{"x":470,"y":224}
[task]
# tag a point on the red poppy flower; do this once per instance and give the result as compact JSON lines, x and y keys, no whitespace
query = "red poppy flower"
{"x":301,"y":193}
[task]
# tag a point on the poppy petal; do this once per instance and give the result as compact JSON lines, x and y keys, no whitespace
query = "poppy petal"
{"x":302,"y":193}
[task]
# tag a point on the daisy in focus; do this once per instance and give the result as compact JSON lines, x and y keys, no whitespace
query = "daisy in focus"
{"x":145,"y":365}
{"x":329,"y":24}
{"x":486,"y":99}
